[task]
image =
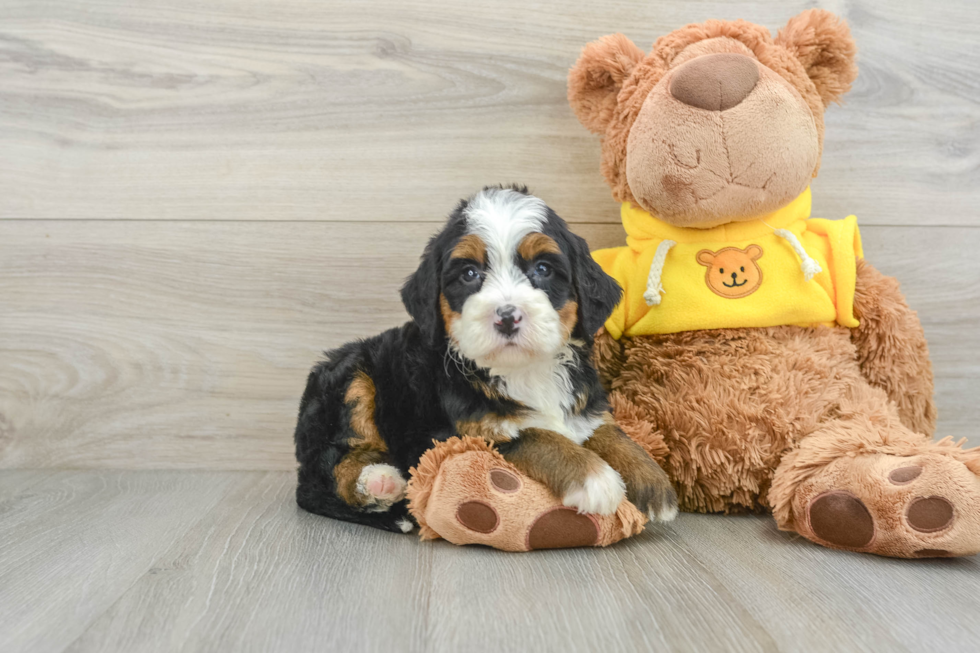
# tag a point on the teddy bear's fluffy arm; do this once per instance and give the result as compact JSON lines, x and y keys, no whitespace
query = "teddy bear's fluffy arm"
{"x":608,"y":357}
{"x":892,"y":349}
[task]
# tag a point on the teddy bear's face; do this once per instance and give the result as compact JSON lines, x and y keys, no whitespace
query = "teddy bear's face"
{"x":720,"y":137}
{"x":721,"y":122}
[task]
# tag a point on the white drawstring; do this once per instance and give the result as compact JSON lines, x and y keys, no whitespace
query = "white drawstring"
{"x":654,"y":288}
{"x":810,"y":267}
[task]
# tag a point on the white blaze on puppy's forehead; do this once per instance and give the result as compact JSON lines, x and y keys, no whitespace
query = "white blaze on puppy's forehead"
{"x":502,"y":217}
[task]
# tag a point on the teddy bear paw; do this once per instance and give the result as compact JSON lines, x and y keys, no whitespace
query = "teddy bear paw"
{"x":482,"y":499}
{"x":921,"y":506}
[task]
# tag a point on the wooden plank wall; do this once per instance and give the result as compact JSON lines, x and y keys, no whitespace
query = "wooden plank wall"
{"x":198,"y":197}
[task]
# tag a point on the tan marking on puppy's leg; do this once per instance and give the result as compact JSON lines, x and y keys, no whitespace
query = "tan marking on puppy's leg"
{"x":535,"y":244}
{"x":568,"y":314}
{"x":647,"y":485}
{"x":360,"y":397}
{"x":348,"y":470}
{"x":470,"y":247}
{"x":580,"y":477}
{"x":367,"y":446}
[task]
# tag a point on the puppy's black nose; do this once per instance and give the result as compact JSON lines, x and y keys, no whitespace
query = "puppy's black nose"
{"x":734,"y":275}
{"x":508,"y":317}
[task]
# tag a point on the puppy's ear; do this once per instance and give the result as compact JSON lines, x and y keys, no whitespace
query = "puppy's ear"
{"x":598,"y":293}
{"x":824,"y":45}
{"x":420,"y":294}
{"x":597,"y":77}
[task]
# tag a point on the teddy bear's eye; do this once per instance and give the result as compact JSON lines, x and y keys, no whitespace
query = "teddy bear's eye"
{"x":722,"y":270}
{"x":742,"y":268}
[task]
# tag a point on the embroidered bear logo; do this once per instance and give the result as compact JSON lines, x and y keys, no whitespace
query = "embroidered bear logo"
{"x":732,"y":272}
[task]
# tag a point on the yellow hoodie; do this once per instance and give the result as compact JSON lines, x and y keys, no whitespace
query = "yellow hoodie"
{"x":781,"y":269}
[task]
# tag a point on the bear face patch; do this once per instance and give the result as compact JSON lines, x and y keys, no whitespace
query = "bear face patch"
{"x":732,"y":272}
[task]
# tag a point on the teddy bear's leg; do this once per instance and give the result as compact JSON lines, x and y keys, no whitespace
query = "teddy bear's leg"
{"x":864,"y":482}
{"x":635,"y":423}
{"x":608,"y":355}
{"x":891,"y":348}
{"x":465,"y":492}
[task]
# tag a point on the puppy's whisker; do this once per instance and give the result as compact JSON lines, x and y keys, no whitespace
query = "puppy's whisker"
{"x":445,"y":361}
{"x":458,"y":360}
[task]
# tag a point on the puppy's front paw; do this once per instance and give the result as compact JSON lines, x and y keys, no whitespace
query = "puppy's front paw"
{"x":382,"y":484}
{"x":653,"y":494}
{"x":600,"y":493}
{"x":661,"y":506}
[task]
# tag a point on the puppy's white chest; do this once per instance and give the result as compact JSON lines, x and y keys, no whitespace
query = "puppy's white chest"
{"x":547,"y":391}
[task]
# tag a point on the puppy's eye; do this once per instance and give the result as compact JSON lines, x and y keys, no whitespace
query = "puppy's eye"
{"x":722,"y":270}
{"x":742,"y":268}
{"x":542,"y":269}
{"x":469,"y":274}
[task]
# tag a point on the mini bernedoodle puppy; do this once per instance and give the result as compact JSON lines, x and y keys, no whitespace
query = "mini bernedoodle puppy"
{"x":505,"y":304}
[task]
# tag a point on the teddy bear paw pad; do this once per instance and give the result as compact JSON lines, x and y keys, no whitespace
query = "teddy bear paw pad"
{"x":477,"y":516}
{"x":562,"y":528}
{"x":505,"y":481}
{"x":904,"y":475}
{"x":841,"y":518}
{"x":929,"y":514}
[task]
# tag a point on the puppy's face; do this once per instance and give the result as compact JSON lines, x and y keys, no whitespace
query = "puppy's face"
{"x":507,"y":294}
{"x":513,"y":284}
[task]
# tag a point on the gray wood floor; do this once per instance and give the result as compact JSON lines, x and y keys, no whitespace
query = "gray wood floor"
{"x":208,"y":561}
{"x":198,"y":196}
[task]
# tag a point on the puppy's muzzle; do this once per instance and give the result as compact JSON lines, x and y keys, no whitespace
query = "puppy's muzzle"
{"x":508,"y":320}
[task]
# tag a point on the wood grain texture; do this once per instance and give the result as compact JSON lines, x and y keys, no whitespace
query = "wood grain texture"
{"x":240,"y":567}
{"x":814,"y":599}
{"x":71,"y":543}
{"x":391,"y":110}
{"x":138,"y":345}
{"x":274,"y":574}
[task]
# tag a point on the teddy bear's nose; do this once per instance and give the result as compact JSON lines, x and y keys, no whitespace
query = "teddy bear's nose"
{"x":715,"y":82}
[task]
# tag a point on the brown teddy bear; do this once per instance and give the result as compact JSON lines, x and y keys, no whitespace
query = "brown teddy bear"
{"x":756,"y":355}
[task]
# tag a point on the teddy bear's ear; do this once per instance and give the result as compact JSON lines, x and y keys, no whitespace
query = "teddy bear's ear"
{"x":598,"y":75}
{"x":824,"y":45}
